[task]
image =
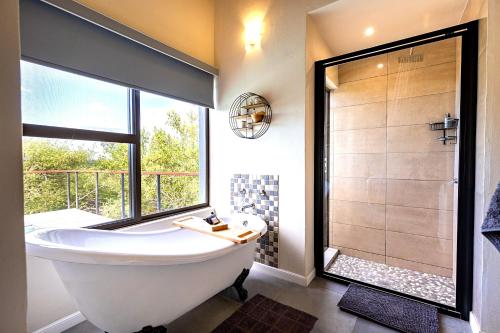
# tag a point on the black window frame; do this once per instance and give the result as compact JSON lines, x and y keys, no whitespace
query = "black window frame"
{"x":133,"y":139}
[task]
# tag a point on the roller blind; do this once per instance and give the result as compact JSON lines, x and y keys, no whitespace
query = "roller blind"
{"x":56,"y":37}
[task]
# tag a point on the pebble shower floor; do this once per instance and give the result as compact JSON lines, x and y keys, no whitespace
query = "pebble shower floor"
{"x":424,"y":285}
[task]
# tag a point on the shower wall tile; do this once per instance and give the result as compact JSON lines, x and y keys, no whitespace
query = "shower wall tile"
{"x":371,"y":115}
{"x":420,"y":194}
{"x":266,"y":207}
{"x":363,"y":69}
{"x":361,"y":92}
{"x":421,"y":166}
{"x":426,"y":250}
{"x":420,"y":267}
{"x":360,"y":165}
{"x":359,"y":213}
{"x":361,"y":254}
{"x":384,"y":153}
{"x":359,"y":189}
{"x":421,"y":109}
{"x":423,"y":81}
{"x":420,"y":221}
{"x":360,"y":141}
{"x":359,"y":238}
{"x":414,"y":139}
{"x":434,"y":54}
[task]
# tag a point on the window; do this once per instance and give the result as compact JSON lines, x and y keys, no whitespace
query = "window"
{"x":97,"y":153}
{"x":170,"y":154}
{"x":57,"y":98}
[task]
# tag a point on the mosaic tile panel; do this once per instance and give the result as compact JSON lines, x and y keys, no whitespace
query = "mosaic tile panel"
{"x":263,"y":191}
{"x":424,"y":285}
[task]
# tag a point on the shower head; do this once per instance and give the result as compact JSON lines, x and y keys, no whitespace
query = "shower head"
{"x":411,"y":58}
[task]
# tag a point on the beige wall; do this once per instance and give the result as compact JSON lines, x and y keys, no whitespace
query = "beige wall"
{"x":12,"y":253}
{"x":392,"y":194}
{"x":278,"y":72}
{"x":474,"y":10}
{"x":185,"y":25}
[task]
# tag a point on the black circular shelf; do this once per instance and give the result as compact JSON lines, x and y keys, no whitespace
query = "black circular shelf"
{"x":240,"y":116}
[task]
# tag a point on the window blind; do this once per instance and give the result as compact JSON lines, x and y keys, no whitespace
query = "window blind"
{"x":56,"y":37}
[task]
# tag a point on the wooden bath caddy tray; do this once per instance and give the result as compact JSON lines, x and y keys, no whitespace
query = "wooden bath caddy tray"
{"x":221,"y":230}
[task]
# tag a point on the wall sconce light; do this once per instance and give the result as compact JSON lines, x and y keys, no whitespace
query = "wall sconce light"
{"x":253,"y":33}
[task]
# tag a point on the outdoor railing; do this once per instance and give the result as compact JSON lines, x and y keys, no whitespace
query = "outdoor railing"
{"x":122,"y":174}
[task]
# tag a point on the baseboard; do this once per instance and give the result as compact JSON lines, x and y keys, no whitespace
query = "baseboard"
{"x":310,"y":276}
{"x":285,"y":275}
{"x":63,"y":324}
{"x":474,"y":324}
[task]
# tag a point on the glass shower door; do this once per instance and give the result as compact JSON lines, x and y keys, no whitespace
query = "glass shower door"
{"x":392,"y":159}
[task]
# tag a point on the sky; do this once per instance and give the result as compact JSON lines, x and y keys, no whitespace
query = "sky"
{"x":58,"y":98}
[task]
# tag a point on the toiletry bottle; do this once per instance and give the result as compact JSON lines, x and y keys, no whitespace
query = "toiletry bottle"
{"x":448,"y":121}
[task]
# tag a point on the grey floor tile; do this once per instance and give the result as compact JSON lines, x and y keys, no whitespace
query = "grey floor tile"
{"x":265,"y":284}
{"x":322,"y":303}
{"x":453,"y":325}
{"x":366,"y":326}
{"x":205,"y":317}
{"x":85,"y":327}
{"x":319,"y":299}
{"x":327,"y":284}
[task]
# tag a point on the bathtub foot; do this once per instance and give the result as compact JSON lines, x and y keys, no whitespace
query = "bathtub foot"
{"x":238,"y":284}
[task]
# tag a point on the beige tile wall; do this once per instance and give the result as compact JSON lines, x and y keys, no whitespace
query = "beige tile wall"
{"x":391,"y":198}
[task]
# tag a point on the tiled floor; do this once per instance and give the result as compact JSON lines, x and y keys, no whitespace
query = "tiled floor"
{"x":428,"y":286}
{"x":319,"y":299}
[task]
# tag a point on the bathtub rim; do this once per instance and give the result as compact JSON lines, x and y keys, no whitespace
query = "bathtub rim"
{"x":51,"y":250}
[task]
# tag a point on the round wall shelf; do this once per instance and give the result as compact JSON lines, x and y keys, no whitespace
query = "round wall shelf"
{"x":250,"y":116}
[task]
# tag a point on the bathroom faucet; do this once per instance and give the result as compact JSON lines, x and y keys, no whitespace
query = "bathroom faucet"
{"x":242,"y":209}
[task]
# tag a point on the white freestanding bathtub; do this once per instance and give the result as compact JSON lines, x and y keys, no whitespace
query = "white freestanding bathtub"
{"x":123,"y":281}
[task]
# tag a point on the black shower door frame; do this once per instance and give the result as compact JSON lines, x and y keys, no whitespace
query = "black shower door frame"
{"x":467,"y":152}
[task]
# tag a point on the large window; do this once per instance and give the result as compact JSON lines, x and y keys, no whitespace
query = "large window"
{"x":97,"y":153}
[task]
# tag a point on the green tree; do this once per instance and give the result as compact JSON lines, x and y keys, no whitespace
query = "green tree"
{"x":169,"y":148}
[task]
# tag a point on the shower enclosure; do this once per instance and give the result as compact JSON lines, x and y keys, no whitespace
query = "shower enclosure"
{"x":394,"y":182}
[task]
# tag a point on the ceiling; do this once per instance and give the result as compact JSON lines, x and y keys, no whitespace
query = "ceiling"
{"x":342,"y":23}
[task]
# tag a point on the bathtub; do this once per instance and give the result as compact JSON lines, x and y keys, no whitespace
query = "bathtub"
{"x":123,"y":281}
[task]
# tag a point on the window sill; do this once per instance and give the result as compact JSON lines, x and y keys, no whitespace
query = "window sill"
{"x":166,"y":222}
{"x":64,"y":218}
{"x":75,"y":218}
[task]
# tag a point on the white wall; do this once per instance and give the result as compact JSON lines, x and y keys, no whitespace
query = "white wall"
{"x":487,"y":258}
{"x":486,"y":290}
{"x":479,"y":186}
{"x":48,"y":300}
{"x":12,"y":253}
{"x":278,"y":72}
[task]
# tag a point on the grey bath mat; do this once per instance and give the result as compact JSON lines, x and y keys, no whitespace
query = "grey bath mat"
{"x":261,"y":314}
{"x":392,"y":311}
{"x":491,"y":226}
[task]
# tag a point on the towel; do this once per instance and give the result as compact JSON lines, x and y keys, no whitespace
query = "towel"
{"x":491,"y":225}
